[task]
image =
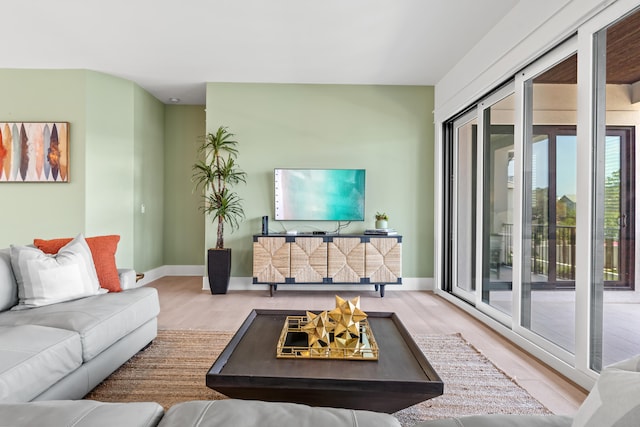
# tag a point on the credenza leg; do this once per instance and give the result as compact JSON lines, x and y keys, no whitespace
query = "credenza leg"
{"x":376,"y":287}
{"x":272,"y":289}
{"x":381,"y":291}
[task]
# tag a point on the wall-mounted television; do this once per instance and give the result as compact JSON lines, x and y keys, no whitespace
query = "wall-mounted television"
{"x":319,"y":194}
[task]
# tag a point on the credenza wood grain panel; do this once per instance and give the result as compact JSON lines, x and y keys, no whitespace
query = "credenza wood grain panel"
{"x":308,"y":260}
{"x":383,"y":260}
{"x":271,"y":259}
{"x":346,"y":260}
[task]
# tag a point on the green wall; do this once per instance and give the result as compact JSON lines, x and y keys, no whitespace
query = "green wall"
{"x":109,"y":161}
{"x":183,"y":221}
{"x":149,"y":171}
{"x":129,"y":150}
{"x":114,"y":125}
{"x":388,"y":130}
{"x":31,"y":210}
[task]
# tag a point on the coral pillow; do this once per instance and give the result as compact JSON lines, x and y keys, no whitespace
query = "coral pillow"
{"x":103,"y":252}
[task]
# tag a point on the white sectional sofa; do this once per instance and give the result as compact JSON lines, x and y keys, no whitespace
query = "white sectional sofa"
{"x":55,"y":352}
{"x":63,"y":350}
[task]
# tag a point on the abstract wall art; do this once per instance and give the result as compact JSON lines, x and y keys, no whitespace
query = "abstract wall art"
{"x":34,"y":152}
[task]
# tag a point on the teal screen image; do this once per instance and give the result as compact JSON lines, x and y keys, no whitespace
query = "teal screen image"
{"x":319,"y":194}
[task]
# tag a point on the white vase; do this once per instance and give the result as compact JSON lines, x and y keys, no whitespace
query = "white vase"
{"x":381,"y":223}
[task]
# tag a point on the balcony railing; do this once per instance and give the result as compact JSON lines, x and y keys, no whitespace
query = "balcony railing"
{"x":553,"y":252}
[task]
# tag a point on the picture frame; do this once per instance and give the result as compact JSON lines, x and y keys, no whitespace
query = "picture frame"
{"x":34,"y":152}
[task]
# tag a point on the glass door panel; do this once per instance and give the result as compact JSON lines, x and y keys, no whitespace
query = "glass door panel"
{"x":615,"y":300}
{"x":549,"y":230}
{"x":465,"y":169}
{"x":564,"y":273}
{"x":618,"y":271}
{"x":497,"y":204}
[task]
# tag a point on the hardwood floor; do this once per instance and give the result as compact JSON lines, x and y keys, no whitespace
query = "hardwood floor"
{"x":184,"y":305}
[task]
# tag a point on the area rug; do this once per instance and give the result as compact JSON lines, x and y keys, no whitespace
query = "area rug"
{"x":173,"y":369}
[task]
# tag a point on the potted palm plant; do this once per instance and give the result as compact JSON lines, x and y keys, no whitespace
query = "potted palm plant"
{"x":215,"y":173}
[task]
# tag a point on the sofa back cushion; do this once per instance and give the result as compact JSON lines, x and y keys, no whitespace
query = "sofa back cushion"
{"x":8,"y":285}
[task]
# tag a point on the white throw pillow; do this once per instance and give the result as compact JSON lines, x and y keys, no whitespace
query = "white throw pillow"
{"x":614,"y":400}
{"x":45,"y":279}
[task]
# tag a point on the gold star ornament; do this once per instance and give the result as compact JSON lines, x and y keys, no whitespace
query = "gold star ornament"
{"x":317,"y":327}
{"x":347,"y":316}
{"x":342,"y":333}
{"x":346,"y":345}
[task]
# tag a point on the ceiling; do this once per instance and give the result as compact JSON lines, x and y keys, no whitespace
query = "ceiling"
{"x":171,"y":48}
{"x":622,"y":62}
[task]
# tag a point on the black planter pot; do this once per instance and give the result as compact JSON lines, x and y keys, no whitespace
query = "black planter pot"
{"x":219,"y":270}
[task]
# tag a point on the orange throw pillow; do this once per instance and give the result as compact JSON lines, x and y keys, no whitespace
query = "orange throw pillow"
{"x":103,"y":252}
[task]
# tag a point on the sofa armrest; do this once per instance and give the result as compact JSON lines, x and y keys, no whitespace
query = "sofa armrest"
{"x":501,"y":421}
{"x":127,"y":278}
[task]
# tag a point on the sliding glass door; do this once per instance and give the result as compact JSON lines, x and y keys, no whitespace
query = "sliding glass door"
{"x":542,"y":202}
{"x":480,"y":178}
{"x":548,"y":297}
{"x":615,"y":298}
{"x":464,"y":178}
{"x":497,"y":195}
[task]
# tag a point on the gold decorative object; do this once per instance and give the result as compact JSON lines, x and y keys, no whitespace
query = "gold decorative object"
{"x":342,"y":333}
{"x":318,"y":327}
{"x":347,"y":316}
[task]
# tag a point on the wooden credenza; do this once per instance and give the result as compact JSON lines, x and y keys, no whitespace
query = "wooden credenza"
{"x":327,"y":259}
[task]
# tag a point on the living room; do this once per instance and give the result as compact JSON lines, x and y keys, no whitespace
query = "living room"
{"x":131,"y":157}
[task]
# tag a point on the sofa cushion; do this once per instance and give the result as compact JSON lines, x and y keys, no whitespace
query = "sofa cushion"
{"x":103,"y":251}
{"x":49,"y":279}
{"x":501,"y":421}
{"x":249,"y":413}
{"x":8,"y":285}
{"x":100,"y":320}
{"x":615,"y":398}
{"x":80,"y":413}
{"x":33,"y":358}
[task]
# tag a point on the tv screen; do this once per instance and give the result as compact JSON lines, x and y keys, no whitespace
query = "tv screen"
{"x":319,"y":194}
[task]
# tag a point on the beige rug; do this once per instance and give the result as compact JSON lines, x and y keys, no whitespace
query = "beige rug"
{"x":173,"y":369}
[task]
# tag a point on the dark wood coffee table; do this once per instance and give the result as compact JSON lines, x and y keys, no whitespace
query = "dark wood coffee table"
{"x":248,"y":369}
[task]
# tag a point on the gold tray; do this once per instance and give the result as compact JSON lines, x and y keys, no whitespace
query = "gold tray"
{"x":293,"y":343}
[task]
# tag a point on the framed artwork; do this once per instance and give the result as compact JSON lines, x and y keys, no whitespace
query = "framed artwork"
{"x":34,"y":152}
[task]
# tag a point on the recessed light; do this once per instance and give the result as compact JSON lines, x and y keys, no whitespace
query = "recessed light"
{"x":174,"y":100}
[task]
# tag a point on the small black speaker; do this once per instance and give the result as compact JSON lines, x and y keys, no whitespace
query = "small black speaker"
{"x":265,"y":225}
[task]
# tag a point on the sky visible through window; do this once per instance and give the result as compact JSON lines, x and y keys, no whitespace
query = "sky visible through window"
{"x":566,"y":165}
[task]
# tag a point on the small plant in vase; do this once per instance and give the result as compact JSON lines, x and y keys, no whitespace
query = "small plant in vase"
{"x":381,"y":220}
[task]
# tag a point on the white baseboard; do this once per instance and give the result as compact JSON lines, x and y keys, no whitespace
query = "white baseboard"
{"x":245,"y":284}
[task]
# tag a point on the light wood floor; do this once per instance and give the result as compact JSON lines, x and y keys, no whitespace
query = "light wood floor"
{"x":184,"y":305}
